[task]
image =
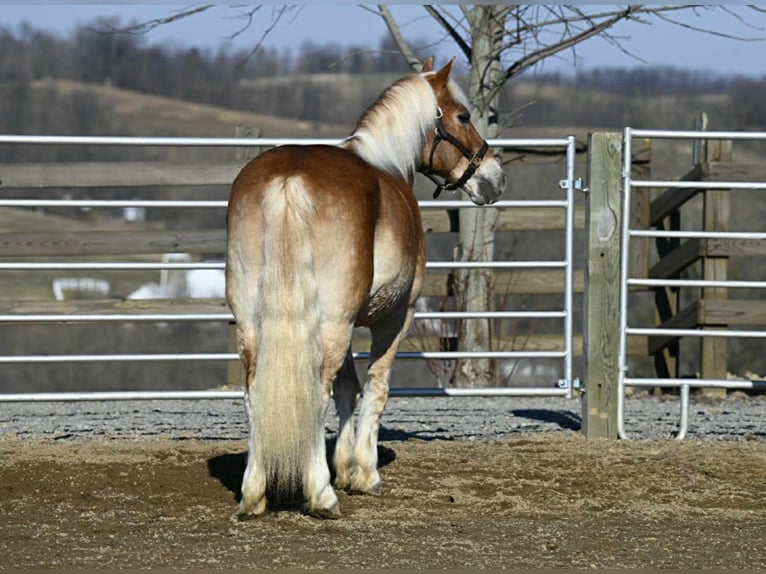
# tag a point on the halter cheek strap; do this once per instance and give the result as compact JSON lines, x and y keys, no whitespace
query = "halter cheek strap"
{"x":474,"y":159}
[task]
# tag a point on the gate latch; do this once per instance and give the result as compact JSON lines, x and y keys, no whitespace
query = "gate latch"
{"x":573,"y":184}
{"x":572,"y":384}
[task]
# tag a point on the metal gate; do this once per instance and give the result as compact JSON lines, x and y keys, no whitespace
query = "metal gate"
{"x":627,"y":280}
{"x":562,"y":387}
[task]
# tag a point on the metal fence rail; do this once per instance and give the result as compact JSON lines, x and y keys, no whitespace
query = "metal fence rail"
{"x":563,"y":387}
{"x":628,"y":183}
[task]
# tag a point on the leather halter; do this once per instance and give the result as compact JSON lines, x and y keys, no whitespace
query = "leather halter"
{"x":474,"y":159}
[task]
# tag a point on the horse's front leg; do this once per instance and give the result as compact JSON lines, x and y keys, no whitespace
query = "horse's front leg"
{"x":386,"y":336}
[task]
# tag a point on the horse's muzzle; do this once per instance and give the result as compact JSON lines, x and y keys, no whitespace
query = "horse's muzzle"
{"x":487,"y":184}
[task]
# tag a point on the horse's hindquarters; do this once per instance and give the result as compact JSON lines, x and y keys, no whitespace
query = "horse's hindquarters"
{"x":299,"y":268}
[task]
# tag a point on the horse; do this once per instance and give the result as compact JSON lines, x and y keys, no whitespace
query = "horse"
{"x":322,"y":238}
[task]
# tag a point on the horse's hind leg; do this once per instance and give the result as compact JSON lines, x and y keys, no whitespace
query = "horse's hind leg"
{"x":253,"y":502}
{"x":321,"y":499}
{"x":345,"y":393}
{"x":386,"y":336}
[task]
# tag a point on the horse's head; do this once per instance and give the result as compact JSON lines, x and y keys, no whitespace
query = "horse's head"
{"x":454,"y":150}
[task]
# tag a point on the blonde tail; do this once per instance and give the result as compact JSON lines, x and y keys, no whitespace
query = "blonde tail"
{"x":286,"y":395}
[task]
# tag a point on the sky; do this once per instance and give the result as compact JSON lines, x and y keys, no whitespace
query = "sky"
{"x":658,"y":44}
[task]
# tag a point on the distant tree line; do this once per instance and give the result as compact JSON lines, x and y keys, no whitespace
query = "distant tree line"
{"x":129,"y":61}
{"x":650,"y":80}
{"x":299,"y":84}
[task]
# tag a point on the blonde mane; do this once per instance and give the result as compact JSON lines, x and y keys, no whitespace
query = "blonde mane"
{"x":391,"y":133}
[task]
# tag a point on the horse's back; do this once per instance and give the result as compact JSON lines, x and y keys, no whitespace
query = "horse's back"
{"x":365,"y":225}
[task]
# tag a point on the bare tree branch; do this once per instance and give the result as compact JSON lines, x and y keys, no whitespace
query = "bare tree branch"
{"x":451,"y":32}
{"x":398,"y":38}
{"x":275,"y":20}
{"x":705,"y":30}
{"x":149,"y":25}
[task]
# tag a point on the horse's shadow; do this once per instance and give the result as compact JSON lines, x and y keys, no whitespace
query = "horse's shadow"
{"x":228,"y":469}
{"x":564,"y":419}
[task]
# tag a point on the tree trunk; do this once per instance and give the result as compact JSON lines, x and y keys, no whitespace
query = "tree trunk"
{"x":473,"y":288}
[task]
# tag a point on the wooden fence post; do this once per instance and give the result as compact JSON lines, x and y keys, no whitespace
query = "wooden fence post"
{"x":716,"y":215}
{"x":602,"y":285}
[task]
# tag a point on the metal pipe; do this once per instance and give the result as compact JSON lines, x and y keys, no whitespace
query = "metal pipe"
{"x":474,"y":355}
{"x":697,"y":134}
{"x":695,"y":383}
{"x":118,"y":396}
{"x":683,"y":425}
{"x":699,"y":184}
{"x":157,"y":357}
{"x":170,"y":317}
{"x":697,"y":234}
{"x":238,"y":394}
{"x":161,"y":203}
{"x":164,"y":141}
{"x":112,"y":203}
{"x":509,"y":203}
{"x":489,"y":315}
{"x":116,"y":318}
{"x":150,"y":265}
{"x":495,"y":264}
{"x":622,"y":365}
{"x":732,"y":334}
{"x":569,"y":269}
{"x":704,"y":283}
{"x":108,"y":266}
{"x":232,"y":142}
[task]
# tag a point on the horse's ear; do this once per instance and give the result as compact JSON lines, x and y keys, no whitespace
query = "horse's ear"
{"x":441,"y":77}
{"x":428,"y":65}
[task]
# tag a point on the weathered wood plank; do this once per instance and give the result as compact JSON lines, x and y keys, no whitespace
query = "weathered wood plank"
{"x":735,"y":248}
{"x":522,"y":282}
{"x":117,"y":174}
{"x":672,"y":199}
{"x":533,"y":219}
{"x":716,"y":216}
{"x":114,"y":307}
{"x":688,"y":318}
{"x":87,"y":243}
{"x":601,"y":340}
{"x":678,"y":259}
{"x":735,"y":172}
{"x":732,"y":312}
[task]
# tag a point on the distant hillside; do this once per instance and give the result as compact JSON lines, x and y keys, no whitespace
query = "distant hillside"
{"x":135,"y":113}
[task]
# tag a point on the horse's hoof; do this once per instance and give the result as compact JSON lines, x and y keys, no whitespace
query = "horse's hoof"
{"x":365,"y":482}
{"x":332,"y":513}
{"x":251,"y":511}
{"x":374,"y":490}
{"x":342,"y":484}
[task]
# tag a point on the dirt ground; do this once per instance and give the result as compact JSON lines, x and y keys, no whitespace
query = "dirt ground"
{"x":552,"y":500}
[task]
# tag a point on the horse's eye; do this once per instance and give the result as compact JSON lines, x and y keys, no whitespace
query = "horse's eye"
{"x":464,"y":118}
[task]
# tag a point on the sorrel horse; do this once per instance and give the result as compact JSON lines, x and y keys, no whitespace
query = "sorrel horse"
{"x":323,"y":238}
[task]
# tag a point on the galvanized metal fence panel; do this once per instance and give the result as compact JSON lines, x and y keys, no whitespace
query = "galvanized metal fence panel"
{"x":627,"y":281}
{"x":562,"y":387}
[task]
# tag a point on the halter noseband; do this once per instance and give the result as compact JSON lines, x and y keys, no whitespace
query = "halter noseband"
{"x":474,"y":159}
